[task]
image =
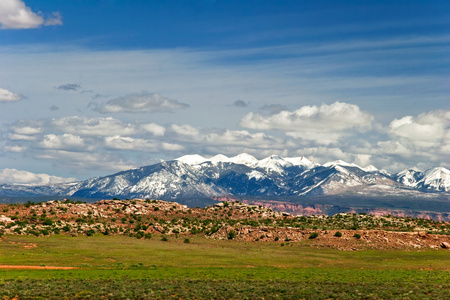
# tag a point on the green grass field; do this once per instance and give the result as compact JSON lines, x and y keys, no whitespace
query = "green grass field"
{"x":120,"y":267}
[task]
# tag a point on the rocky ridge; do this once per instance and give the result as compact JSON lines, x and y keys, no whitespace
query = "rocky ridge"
{"x":225,"y":220}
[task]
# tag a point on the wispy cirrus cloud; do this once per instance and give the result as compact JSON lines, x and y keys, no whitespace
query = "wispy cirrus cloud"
{"x":14,"y":14}
{"x":140,"y":103}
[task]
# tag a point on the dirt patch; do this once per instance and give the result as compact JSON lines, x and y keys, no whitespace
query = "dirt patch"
{"x":35,"y":267}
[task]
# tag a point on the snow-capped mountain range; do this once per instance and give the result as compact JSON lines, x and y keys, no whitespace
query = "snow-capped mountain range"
{"x":194,"y":176}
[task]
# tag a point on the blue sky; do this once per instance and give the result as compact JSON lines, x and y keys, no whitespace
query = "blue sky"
{"x":88,"y":88}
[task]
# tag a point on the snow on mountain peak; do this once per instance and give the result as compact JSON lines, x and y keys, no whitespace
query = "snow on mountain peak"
{"x":340,"y":163}
{"x":244,"y":159}
{"x":274,"y":163}
{"x":192,"y":160}
{"x":219,"y":158}
{"x":301,"y":161}
{"x":370,"y":168}
{"x":437,"y":178}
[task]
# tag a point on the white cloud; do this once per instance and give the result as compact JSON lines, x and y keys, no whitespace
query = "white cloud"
{"x":186,"y":130}
{"x":14,"y":14}
{"x":14,"y":148}
{"x":55,"y":19}
{"x":21,"y":137}
{"x":94,"y":126}
{"x":13,"y":176}
{"x":8,"y":96}
{"x":86,"y":160}
{"x":129,"y":143}
{"x":324,"y":124}
{"x":172,"y":147}
{"x":28,"y":128}
{"x":426,"y":130}
{"x":65,"y":141}
{"x":225,"y":137}
{"x":140,"y":103}
{"x":154,"y":128}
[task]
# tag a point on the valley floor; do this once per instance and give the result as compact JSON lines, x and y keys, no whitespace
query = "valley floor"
{"x":121,"y":267}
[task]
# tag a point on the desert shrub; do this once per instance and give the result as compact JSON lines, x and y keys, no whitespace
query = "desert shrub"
{"x":148,"y":236}
{"x":313,"y":235}
{"x":45,"y":231}
{"x":357,"y":235}
{"x":90,"y":232}
{"x":164,"y":239}
{"x":194,"y":230}
{"x":47,"y":221}
{"x":186,"y":241}
{"x":33,"y":232}
{"x":140,"y":234}
{"x":231,"y":234}
{"x":338,"y":234}
{"x":276,"y":239}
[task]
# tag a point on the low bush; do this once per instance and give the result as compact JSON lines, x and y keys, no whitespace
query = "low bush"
{"x":231,"y":234}
{"x":313,"y":235}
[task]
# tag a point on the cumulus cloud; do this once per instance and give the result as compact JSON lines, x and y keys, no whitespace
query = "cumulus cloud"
{"x":65,"y":141}
{"x":240,"y":103}
{"x":140,"y":103}
{"x":225,"y":137}
{"x":13,"y":176}
{"x":14,"y":14}
{"x":14,"y":148}
{"x":99,"y":160}
{"x":416,"y":139}
{"x":8,"y":96}
{"x":26,"y":130}
{"x":426,"y":130}
{"x":93,"y":126}
{"x":69,"y":87}
{"x":154,"y":128}
{"x":129,"y":143}
{"x":186,"y":130}
{"x":325,"y":124}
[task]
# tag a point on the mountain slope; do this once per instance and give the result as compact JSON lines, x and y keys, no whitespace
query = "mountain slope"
{"x":197,"y":177}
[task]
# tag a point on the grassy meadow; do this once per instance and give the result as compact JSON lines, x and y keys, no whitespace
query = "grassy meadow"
{"x":121,"y":267}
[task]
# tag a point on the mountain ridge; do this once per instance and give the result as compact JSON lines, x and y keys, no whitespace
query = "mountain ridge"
{"x":194,"y":176}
